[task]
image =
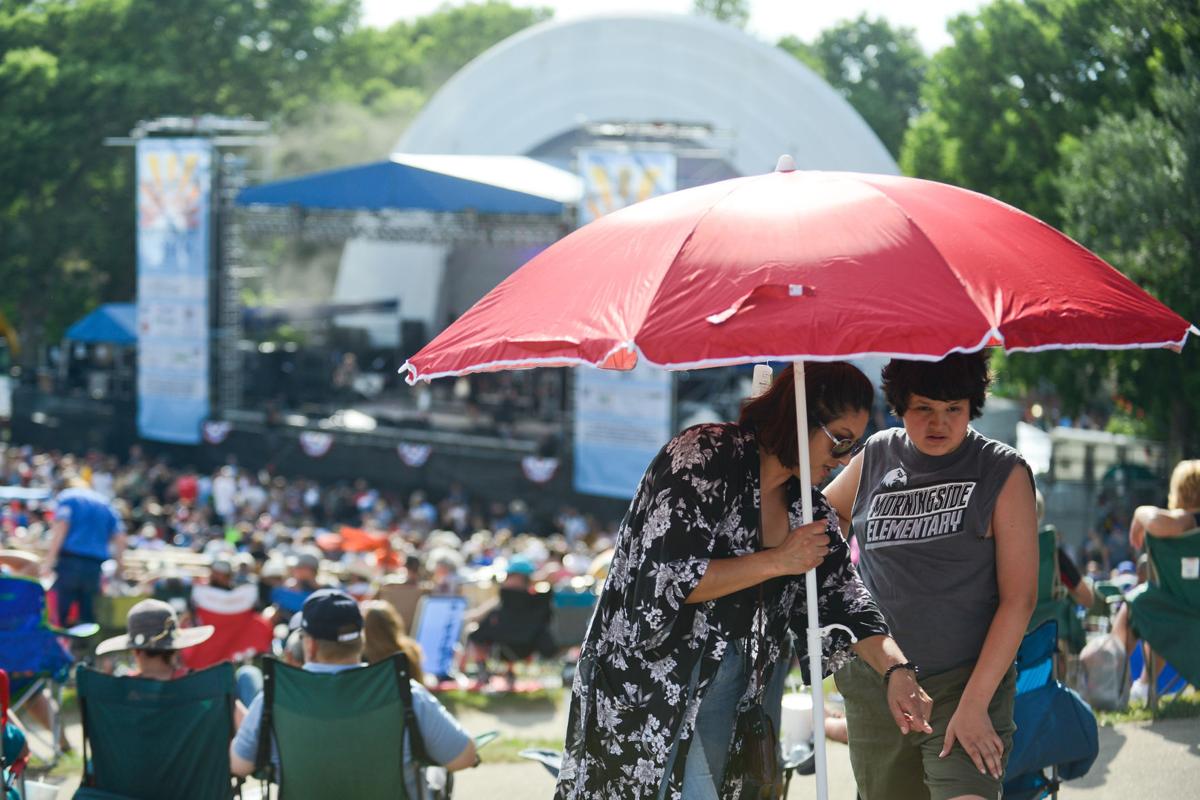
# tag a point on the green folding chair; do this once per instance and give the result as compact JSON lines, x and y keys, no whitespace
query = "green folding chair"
{"x":1108,"y":597}
{"x":339,"y":734}
{"x":1166,"y":611}
{"x":152,"y":739}
{"x":1054,"y":601}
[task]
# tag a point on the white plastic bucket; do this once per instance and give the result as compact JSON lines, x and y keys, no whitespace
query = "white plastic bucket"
{"x":796,"y":723}
{"x":35,"y":790}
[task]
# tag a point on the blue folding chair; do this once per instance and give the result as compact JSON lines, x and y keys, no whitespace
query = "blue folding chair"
{"x":1169,"y":680}
{"x":1056,"y":730}
{"x":14,"y":755}
{"x":31,"y":651}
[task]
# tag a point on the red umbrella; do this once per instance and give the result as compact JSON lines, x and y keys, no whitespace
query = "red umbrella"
{"x":815,"y":265}
{"x":801,"y":265}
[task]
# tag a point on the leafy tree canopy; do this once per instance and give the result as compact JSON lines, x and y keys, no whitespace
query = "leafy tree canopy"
{"x":73,"y":72}
{"x":734,"y":12}
{"x":876,"y":67}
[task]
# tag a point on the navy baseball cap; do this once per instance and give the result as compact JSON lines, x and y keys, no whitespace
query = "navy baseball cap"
{"x":332,"y":616}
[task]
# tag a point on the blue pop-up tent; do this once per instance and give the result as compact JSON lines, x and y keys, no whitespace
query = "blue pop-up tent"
{"x":507,"y":185}
{"x":111,"y":323}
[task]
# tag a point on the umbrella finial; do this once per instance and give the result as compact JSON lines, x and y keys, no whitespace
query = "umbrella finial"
{"x":785,"y":164}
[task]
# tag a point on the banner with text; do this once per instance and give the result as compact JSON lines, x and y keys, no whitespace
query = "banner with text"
{"x":621,"y":418}
{"x":174,"y":186}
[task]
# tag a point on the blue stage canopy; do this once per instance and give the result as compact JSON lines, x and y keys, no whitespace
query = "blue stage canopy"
{"x":396,"y":185}
{"x":111,"y":323}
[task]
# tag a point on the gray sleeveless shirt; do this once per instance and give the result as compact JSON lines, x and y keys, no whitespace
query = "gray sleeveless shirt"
{"x":922,"y":523}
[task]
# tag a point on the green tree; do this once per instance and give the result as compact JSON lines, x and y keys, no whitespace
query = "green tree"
{"x":1018,"y":77}
{"x":76,"y":71}
{"x":877,"y":68}
{"x":733,"y":12}
{"x":380,"y":79}
{"x":1028,"y":105}
{"x":425,"y":52}
{"x":73,"y":72}
{"x":1131,"y":189}
{"x":1126,"y":183}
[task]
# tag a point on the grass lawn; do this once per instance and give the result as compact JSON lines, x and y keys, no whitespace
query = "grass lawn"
{"x":501,"y":702}
{"x":1185,"y":706}
{"x":504,"y":750}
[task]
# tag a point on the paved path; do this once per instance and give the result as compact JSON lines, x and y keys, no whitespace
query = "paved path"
{"x":1138,"y":761}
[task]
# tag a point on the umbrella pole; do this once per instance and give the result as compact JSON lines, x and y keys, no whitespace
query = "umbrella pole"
{"x":810,"y":588}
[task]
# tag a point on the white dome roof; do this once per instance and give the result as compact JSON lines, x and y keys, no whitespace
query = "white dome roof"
{"x":554,"y":77}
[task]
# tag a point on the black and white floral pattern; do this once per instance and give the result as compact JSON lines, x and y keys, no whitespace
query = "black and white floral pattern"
{"x":633,"y":697}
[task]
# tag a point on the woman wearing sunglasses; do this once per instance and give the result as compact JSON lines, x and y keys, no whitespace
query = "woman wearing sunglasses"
{"x":706,"y":582}
{"x":947,"y":535}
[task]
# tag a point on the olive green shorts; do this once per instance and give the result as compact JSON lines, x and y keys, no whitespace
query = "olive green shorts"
{"x":891,"y":766}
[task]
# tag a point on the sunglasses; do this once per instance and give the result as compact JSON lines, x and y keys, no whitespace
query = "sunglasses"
{"x":843,"y":447}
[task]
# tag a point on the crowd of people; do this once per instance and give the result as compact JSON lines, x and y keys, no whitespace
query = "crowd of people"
{"x":703,"y":610}
{"x":91,"y":525}
{"x":268,"y":529}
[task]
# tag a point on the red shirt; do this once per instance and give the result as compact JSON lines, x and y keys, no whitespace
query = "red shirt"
{"x":187,"y":488}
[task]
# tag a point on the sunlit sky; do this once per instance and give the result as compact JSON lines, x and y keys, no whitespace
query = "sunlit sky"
{"x":770,"y":19}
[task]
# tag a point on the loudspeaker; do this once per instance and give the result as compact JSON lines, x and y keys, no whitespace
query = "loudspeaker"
{"x":413,"y":336}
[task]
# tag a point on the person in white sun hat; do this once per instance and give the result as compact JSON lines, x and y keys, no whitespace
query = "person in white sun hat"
{"x":154,"y":636}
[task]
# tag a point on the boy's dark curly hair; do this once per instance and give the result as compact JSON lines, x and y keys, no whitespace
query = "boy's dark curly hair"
{"x":960,"y":376}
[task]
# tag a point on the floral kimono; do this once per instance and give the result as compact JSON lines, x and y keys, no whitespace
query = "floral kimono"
{"x":649,"y":657}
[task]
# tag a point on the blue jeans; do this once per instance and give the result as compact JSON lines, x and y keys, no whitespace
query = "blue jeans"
{"x":709,"y":751}
{"x":249,"y":683}
{"x":78,"y":583}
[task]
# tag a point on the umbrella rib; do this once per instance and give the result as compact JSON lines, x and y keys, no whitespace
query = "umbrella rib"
{"x":994,"y":328}
{"x":675,"y":259}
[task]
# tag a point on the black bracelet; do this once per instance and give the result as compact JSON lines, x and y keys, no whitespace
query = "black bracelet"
{"x":908,"y":665}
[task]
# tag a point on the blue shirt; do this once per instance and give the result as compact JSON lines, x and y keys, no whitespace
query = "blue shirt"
{"x":91,"y":523}
{"x":444,"y":738}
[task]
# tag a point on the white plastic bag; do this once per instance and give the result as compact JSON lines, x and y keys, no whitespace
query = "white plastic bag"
{"x":1104,"y":674}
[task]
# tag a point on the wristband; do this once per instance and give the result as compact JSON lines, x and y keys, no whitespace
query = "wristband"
{"x":908,"y":665}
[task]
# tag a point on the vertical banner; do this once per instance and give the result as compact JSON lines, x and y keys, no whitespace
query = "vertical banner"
{"x":613,"y":180}
{"x":174,"y":180}
{"x":621,"y":418}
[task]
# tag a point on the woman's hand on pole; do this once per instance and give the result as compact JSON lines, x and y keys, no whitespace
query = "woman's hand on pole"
{"x":803,"y":549}
{"x":909,"y":704}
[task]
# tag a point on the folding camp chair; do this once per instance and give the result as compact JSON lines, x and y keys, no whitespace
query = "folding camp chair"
{"x":14,"y":755}
{"x":341,"y":734}
{"x":438,"y":627}
{"x":571,"y":616}
{"x":1109,"y":595}
{"x":152,"y":739}
{"x":404,"y":597}
{"x":1166,"y":611}
{"x":519,"y":627}
{"x":572,"y":613}
{"x":1054,"y":601}
{"x":32,"y":653}
{"x":1056,"y":729}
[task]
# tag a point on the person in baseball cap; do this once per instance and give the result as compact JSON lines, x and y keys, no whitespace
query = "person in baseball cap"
{"x":332,"y":628}
{"x":154,"y":636}
{"x":330,"y":616}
